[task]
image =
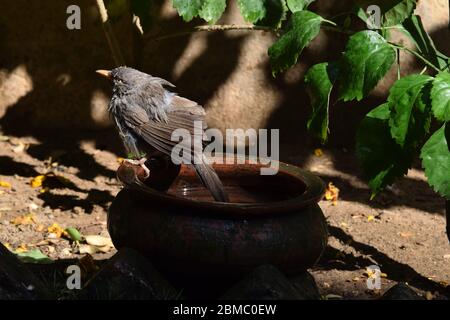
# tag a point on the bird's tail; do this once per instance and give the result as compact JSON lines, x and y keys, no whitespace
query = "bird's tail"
{"x":211,"y":181}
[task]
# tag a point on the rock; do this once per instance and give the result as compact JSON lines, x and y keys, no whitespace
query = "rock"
{"x":264,"y":283}
{"x":306,"y":286}
{"x":401,"y":291}
{"x":16,"y":281}
{"x":128,"y":275}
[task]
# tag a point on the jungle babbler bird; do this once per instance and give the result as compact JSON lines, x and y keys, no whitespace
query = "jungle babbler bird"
{"x":146,"y":113}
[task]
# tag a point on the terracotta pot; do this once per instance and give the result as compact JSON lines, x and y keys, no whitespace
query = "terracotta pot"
{"x":270,"y":220}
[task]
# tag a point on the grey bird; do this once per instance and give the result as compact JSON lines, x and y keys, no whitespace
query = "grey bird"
{"x":146,"y":113}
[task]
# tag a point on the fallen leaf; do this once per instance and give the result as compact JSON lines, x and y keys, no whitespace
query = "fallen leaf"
{"x":333,"y":297}
{"x":443,"y":283}
{"x":33,"y":256}
{"x":120,"y":159}
{"x":66,"y":252}
{"x":405,"y":234}
{"x":21,"y":249}
{"x":19,"y":147}
{"x":73,"y":234}
{"x":429,"y":295}
{"x":42,"y":243}
{"x":24,"y":220}
{"x":87,"y":249}
{"x":37,"y":181}
{"x":332,"y":193}
{"x":33,"y":206}
{"x":98,"y":241}
{"x":5,"y":208}
{"x":3,"y":138}
{"x":105,"y":249}
{"x":343,"y":224}
{"x":56,"y":230}
{"x":318,"y":152}
{"x":370,"y":218}
{"x":5,"y":184}
{"x":40,"y":228}
{"x":7,"y":245}
{"x":43,"y":190}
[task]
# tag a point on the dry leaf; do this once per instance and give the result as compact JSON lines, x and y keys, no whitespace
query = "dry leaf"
{"x":120,"y":160}
{"x":332,"y":193}
{"x":98,"y":241}
{"x":442,"y":283}
{"x":370,"y":218}
{"x":37,"y":181}
{"x":87,"y":264}
{"x":33,"y":206}
{"x":318,"y":152}
{"x":23,"y":220}
{"x":40,"y":228}
{"x":56,"y":230}
{"x":333,"y":296}
{"x":20,"y":147}
{"x":66,"y":252}
{"x":22,"y":248}
{"x":7,"y":245}
{"x":5,"y":184}
{"x":87,"y":249}
{"x":405,"y":234}
{"x":429,"y":295}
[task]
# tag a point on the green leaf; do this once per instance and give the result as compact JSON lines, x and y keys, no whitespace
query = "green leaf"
{"x":284,"y":53}
{"x":188,"y":9}
{"x":435,"y":156}
{"x":74,"y":234}
{"x":393,"y":11}
{"x":275,"y":13}
{"x":440,"y":95}
{"x":34,"y":256}
{"x":142,"y":9}
{"x":263,"y":12}
{"x":298,"y":5}
{"x":406,"y":100}
{"x":252,"y":10}
{"x":414,"y":29}
{"x":319,"y":82}
{"x":212,"y":10}
{"x":381,"y":159}
{"x":367,"y":58}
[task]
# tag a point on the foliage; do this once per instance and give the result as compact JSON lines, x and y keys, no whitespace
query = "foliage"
{"x":392,"y":134}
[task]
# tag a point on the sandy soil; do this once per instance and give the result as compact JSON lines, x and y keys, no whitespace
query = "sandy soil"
{"x":402,"y":230}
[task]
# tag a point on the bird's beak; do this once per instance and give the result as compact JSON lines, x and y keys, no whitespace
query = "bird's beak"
{"x":104,"y":73}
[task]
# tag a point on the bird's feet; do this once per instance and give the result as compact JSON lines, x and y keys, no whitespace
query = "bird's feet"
{"x":141,"y":163}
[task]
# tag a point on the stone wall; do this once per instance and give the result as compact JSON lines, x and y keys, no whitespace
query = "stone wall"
{"x":47,"y":78}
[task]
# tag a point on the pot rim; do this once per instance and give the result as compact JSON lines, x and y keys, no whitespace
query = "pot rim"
{"x":314,"y":191}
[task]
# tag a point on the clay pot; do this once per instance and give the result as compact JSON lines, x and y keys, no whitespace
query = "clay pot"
{"x":270,"y":220}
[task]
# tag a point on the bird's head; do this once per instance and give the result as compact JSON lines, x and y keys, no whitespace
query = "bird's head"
{"x":124,"y":78}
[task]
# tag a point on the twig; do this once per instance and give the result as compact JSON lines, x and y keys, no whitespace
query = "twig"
{"x":394,"y":45}
{"x":109,"y":34}
{"x":217,"y":27}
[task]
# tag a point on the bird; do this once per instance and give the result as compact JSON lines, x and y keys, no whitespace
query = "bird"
{"x":146,"y":111}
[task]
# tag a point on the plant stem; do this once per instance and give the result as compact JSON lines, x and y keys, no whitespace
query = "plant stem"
{"x":109,"y":34}
{"x":398,"y":65}
{"x":394,"y":45}
{"x":217,"y":27}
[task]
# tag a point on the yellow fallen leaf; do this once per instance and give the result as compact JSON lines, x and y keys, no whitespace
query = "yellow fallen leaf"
{"x":5,"y":184}
{"x":120,"y":159}
{"x":429,"y":295}
{"x":443,"y":283}
{"x":332,"y":193}
{"x":23,"y":220}
{"x":56,"y":230}
{"x":98,"y":241}
{"x":87,"y":249}
{"x":370,"y":218}
{"x":22,"y":248}
{"x":37,"y":181}
{"x":43,"y":190}
{"x":318,"y":152}
{"x":7,"y":245}
{"x":40,"y":228}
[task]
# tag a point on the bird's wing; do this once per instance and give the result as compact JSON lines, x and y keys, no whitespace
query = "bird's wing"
{"x":181,"y":113}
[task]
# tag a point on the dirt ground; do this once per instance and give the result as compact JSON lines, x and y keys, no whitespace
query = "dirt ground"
{"x":402,"y":230}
